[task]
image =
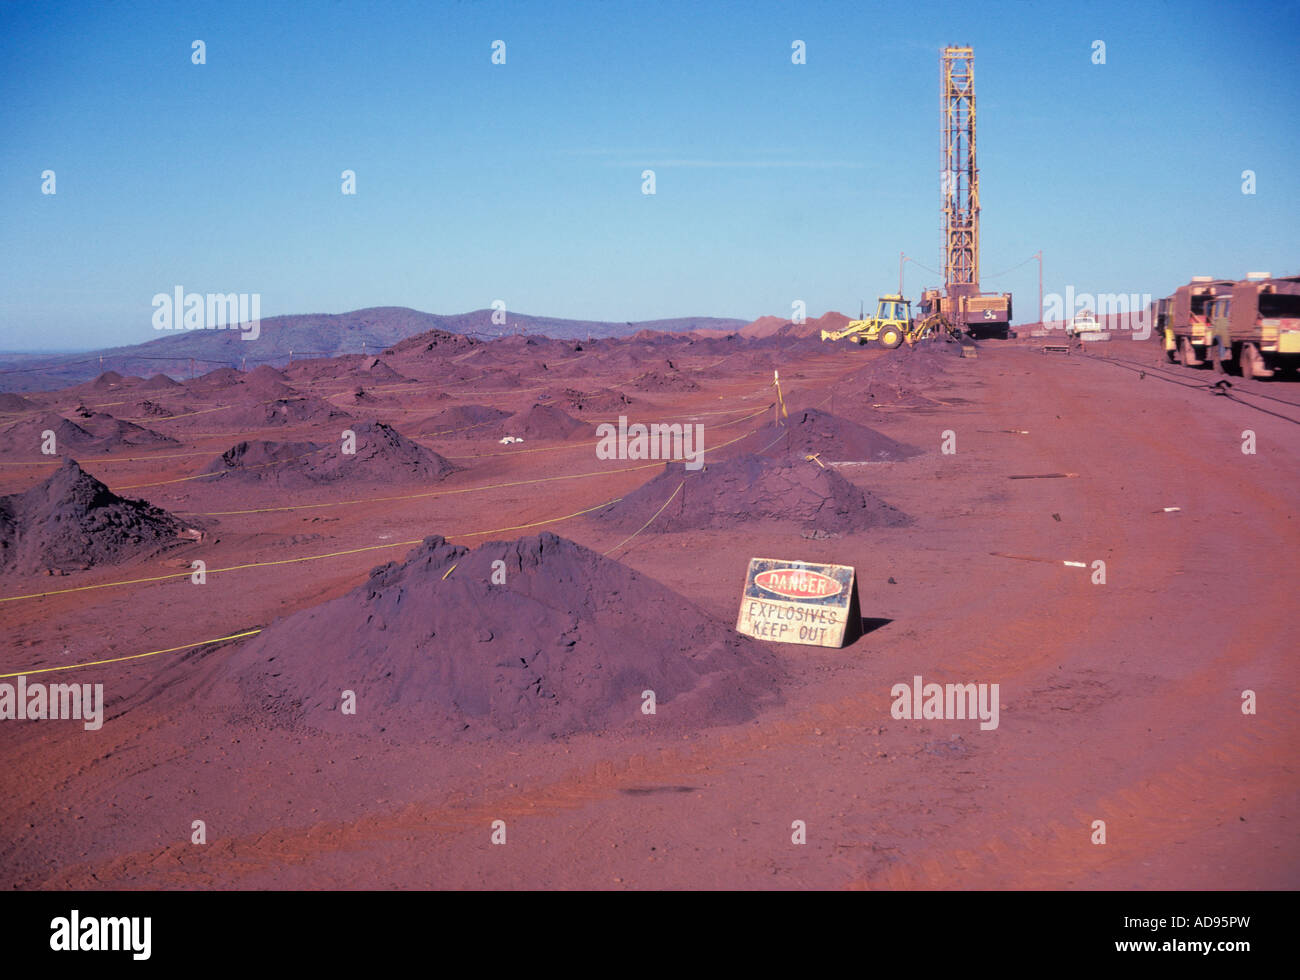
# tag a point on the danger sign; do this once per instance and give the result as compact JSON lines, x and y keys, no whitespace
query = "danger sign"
{"x":799,"y":602}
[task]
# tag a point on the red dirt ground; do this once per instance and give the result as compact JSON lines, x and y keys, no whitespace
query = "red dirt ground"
{"x":1119,"y":702}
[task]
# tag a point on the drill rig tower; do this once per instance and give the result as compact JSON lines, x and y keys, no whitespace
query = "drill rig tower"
{"x":960,"y":180}
{"x":963,"y":303}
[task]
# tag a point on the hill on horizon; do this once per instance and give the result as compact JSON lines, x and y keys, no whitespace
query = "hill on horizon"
{"x":296,"y":336}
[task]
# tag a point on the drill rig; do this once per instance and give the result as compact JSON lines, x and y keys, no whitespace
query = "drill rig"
{"x":961,"y":303}
{"x":960,"y":307}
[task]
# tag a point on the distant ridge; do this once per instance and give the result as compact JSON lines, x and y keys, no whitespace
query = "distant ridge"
{"x":308,"y":335}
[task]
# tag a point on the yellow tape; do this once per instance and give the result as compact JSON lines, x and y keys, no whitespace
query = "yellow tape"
{"x":134,"y":656}
{"x":412,"y":496}
{"x":305,"y":558}
{"x":649,"y":522}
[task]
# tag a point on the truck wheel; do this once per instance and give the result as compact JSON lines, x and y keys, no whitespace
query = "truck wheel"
{"x":1252,"y":364}
{"x":1186,"y":356}
{"x":891,"y":337}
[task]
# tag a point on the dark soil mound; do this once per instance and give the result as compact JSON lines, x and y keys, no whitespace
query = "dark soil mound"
{"x":382,"y":455}
{"x":664,"y":381}
{"x":465,"y":421}
{"x":542,"y":422}
{"x":73,"y":521}
{"x":431,"y":341}
{"x":360,"y":396}
{"x":264,"y":372}
{"x":159,"y":382}
{"x":908,"y":377}
{"x":738,"y":492}
{"x":377,"y":370}
{"x":92,"y":432}
{"x":26,"y":438}
{"x":113,"y":433}
{"x":600,"y":400}
{"x":219,"y":378}
{"x":148,"y":408}
{"x":259,"y":461}
{"x":567,"y":645}
{"x":266,"y":383}
{"x":836,"y":439}
{"x":530,"y":347}
{"x":9,"y":402}
{"x":926,"y":361}
{"x":109,"y":379}
{"x":285,"y":411}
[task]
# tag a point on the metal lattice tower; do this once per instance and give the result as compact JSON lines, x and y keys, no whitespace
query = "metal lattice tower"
{"x":960,"y":178}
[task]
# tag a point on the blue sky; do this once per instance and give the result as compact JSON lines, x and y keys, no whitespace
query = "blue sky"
{"x":775,"y":182}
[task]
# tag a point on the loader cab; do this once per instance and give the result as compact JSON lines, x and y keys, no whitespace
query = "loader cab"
{"x":894,"y":309}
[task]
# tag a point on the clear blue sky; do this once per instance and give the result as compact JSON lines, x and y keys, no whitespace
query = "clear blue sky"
{"x":775,"y":182}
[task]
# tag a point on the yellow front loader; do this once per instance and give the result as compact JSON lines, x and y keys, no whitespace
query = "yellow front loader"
{"x":891,"y":326}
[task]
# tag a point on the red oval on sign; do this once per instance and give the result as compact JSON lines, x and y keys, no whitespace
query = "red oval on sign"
{"x":797,"y":583}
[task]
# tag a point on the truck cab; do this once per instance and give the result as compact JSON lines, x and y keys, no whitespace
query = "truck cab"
{"x":1190,"y":327}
